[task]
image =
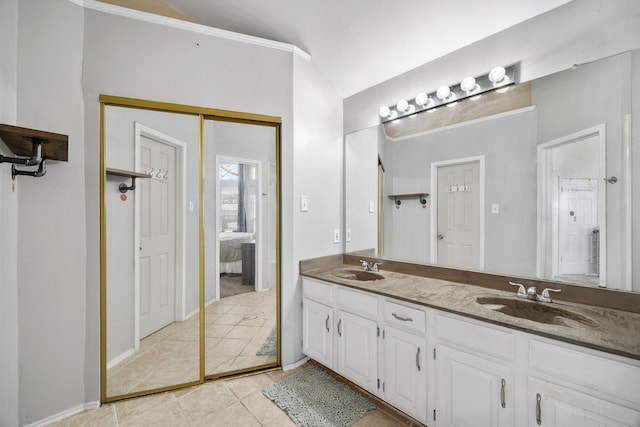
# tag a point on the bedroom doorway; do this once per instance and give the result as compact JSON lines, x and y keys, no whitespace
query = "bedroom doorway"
{"x":239,"y":232}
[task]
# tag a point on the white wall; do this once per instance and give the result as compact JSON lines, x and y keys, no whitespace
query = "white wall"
{"x":51,"y":213}
{"x":316,"y":173}
{"x":8,"y":222}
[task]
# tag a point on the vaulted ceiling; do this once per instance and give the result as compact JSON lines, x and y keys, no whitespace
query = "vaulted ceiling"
{"x":357,"y":44}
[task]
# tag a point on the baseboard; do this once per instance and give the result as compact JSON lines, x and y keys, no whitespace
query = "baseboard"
{"x":113,"y":362}
{"x":296,"y":364}
{"x":64,"y":414}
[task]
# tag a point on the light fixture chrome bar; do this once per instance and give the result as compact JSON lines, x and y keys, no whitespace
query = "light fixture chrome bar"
{"x":498,"y":77}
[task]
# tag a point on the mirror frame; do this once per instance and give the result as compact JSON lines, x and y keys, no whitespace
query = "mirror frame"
{"x":203,"y":114}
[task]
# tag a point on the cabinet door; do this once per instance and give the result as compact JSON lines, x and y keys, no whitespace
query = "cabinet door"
{"x":556,"y":406}
{"x":405,"y":383}
{"x":317,"y":332}
{"x":358,"y":350}
{"x":472,"y":391}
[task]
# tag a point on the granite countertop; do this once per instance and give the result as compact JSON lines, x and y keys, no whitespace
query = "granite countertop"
{"x":604,"y":329}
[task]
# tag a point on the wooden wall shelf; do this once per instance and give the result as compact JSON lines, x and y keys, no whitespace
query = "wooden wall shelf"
{"x":128,"y":174}
{"x":18,"y":140}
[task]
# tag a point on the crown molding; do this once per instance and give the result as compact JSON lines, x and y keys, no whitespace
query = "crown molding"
{"x":190,"y":26}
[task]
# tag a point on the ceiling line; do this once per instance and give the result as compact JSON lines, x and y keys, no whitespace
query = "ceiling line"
{"x":190,"y":26}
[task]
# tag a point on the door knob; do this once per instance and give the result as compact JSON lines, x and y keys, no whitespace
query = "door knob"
{"x":440,"y":236}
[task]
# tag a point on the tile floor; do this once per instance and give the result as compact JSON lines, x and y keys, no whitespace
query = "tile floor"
{"x":235,"y":329}
{"x":232,"y":402}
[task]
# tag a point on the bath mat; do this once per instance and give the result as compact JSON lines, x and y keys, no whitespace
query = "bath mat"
{"x":313,"y":398}
{"x":269,"y":346}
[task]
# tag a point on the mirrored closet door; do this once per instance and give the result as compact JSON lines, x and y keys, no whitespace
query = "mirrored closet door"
{"x":189,"y":242}
{"x":240,"y":205}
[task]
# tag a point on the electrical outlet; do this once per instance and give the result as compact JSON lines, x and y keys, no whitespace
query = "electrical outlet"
{"x":336,"y":236}
{"x":347,"y":236}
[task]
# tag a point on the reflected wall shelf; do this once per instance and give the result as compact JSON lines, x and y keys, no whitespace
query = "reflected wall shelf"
{"x":127,"y":174}
{"x":397,"y":198}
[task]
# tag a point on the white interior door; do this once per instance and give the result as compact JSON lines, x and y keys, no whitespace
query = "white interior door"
{"x":157,"y":252}
{"x":578,"y":226}
{"x":458,"y":216}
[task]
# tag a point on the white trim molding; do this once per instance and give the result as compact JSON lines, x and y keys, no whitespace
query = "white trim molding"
{"x":65,"y":414}
{"x":190,"y":26}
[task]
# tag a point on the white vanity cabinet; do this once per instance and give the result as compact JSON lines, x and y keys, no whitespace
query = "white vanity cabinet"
{"x":569,"y":386}
{"x":357,"y":338}
{"x":317,"y":321}
{"x":405,"y":359}
{"x":445,"y":369}
{"x":474,"y":378}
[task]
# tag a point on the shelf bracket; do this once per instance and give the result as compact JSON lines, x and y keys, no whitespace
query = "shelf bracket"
{"x":35,"y":160}
{"x":123,"y":187}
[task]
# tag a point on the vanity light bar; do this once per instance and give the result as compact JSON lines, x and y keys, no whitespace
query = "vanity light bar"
{"x":469,"y":87}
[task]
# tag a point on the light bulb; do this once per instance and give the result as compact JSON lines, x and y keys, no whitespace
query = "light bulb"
{"x":402,"y":105}
{"x":497,"y":74}
{"x":468,"y":84}
{"x":443,"y":92}
{"x":422,"y":99}
{"x":384,"y":111}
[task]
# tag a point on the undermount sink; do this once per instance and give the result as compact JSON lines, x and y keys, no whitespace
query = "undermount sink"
{"x":535,"y":311}
{"x":361,"y":275}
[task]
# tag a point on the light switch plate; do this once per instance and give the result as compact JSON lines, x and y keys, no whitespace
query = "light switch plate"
{"x":347,"y":236}
{"x":495,"y":208}
{"x":336,"y":236}
{"x":371,"y":207}
{"x":304,"y":203}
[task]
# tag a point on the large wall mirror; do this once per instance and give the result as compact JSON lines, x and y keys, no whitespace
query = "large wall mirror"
{"x":190,"y":246}
{"x":542,"y":191}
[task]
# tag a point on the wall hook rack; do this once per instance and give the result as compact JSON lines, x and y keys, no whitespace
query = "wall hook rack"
{"x":123,"y":188}
{"x":397,"y":198}
{"x":32,"y":148}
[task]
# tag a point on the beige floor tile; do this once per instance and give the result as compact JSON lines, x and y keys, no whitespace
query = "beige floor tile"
{"x":169,"y":415}
{"x":229,"y":347}
{"x":242,"y":387}
{"x":230,"y":319}
{"x":265,"y":411}
{"x":235,"y":415}
{"x":103,"y":416}
{"x":128,"y":410}
{"x":206,"y":402}
{"x":245,"y":332}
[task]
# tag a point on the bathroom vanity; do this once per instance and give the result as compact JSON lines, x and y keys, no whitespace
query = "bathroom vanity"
{"x":451,"y":353}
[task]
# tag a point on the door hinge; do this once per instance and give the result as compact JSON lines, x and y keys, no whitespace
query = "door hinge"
{"x":378,"y":383}
{"x":434,"y":415}
{"x":434,"y":353}
{"x":378,"y":330}
{"x":383,"y":387}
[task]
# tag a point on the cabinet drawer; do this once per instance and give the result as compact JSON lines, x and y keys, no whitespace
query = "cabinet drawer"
{"x":358,"y":303}
{"x":317,"y":291}
{"x":614,"y":378}
{"x":404,"y":317}
{"x":472,"y":336}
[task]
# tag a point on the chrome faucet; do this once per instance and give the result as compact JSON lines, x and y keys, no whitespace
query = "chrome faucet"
{"x":366,"y":266}
{"x":531,"y":293}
